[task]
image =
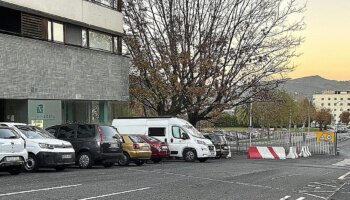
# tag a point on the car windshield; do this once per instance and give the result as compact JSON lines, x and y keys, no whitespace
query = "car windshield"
{"x":33,"y":132}
{"x":7,"y":134}
{"x":218,"y":138}
{"x":193,"y":131}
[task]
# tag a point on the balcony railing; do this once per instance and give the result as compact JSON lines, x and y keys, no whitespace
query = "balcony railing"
{"x":112,"y":4}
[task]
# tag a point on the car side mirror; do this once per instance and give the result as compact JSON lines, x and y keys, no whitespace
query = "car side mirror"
{"x":185,"y":136}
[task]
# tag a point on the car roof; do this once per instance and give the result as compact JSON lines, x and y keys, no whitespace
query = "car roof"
{"x":12,"y":123}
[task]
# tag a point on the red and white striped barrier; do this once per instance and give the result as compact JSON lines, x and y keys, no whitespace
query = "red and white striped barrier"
{"x":255,"y":152}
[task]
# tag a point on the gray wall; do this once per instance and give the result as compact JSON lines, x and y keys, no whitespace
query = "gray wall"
{"x":34,"y":69}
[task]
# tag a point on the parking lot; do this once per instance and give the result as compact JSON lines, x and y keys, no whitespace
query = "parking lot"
{"x":235,"y":178}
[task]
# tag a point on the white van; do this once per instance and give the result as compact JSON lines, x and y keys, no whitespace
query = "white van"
{"x":184,"y":140}
{"x":44,"y":150}
{"x":13,"y":153}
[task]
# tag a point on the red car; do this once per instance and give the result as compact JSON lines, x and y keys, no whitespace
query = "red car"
{"x":159,"y":149}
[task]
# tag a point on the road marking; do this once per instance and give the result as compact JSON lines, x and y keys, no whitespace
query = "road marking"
{"x":316,"y":196}
{"x":323,"y":184}
{"x":113,"y":194}
{"x":38,"y":190}
{"x":285,"y":198}
{"x":344,"y":176}
{"x":343,"y":163}
{"x":301,"y":198}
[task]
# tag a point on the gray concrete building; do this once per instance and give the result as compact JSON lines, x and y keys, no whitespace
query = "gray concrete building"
{"x":61,"y":61}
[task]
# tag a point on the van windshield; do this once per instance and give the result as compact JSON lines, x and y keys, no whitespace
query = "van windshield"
{"x":33,"y":132}
{"x":193,"y":131}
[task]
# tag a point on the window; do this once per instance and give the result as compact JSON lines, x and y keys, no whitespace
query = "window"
{"x":66,"y":132}
{"x":156,"y":132}
{"x":109,"y":133}
{"x":101,"y":41}
{"x":114,"y":4}
{"x":55,"y":31}
{"x":335,"y":104}
{"x":73,"y":35}
{"x":341,"y":104}
{"x":177,"y":132}
{"x":10,"y":20}
{"x":349,"y":99}
{"x":84,"y":37}
{"x":341,"y":99}
{"x":117,"y":45}
{"x":329,"y":104}
{"x":335,"y":109}
{"x":136,"y":139}
{"x":341,"y":109}
{"x":329,"y":98}
{"x":322,"y":99}
{"x":322,"y":104}
{"x":85,"y":131}
{"x":335,"y":99}
{"x":7,"y":134}
{"x":52,"y":130}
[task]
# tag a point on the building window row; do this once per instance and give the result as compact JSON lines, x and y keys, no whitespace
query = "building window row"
{"x":113,"y":4}
{"x":18,"y":23}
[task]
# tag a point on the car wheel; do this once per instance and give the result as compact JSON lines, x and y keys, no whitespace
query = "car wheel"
{"x":124,"y":160}
{"x":156,"y":160}
{"x":31,"y":164}
{"x":139,"y":162}
{"x":85,"y":160}
{"x":202,"y":159}
{"x":60,"y":168}
{"x":218,"y":157}
{"x":15,"y":170}
{"x":109,"y":164}
{"x":190,"y":155}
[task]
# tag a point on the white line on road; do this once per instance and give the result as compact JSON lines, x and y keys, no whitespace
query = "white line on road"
{"x":38,"y":190}
{"x":344,"y":176}
{"x":113,"y":194}
{"x":301,"y":198}
{"x":285,"y":198}
{"x":316,"y":196}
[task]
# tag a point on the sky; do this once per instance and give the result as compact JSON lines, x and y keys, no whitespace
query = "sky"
{"x":326,"y":50}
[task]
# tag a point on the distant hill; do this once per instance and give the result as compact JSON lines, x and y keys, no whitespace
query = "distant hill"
{"x":312,"y":84}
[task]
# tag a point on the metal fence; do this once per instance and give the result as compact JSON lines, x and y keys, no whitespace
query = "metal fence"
{"x":240,"y":141}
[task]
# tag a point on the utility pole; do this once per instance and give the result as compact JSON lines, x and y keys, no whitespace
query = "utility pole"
{"x":250,"y":123}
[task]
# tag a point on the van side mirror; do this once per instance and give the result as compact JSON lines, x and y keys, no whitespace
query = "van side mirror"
{"x":185,"y":136}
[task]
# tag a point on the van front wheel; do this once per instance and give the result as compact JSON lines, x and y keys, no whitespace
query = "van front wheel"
{"x":190,"y":155}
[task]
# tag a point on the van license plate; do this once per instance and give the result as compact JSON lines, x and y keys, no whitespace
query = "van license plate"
{"x":66,"y":156}
{"x":11,"y":159}
{"x":114,"y":146}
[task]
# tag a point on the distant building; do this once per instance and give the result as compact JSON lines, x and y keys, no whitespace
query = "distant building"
{"x":334,"y":101}
{"x":61,"y":61}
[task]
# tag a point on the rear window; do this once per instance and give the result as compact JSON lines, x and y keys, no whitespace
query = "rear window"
{"x":86,"y":131}
{"x":109,"y":133}
{"x":151,"y":138}
{"x":136,"y":139}
{"x":33,"y":132}
{"x":7,"y":134}
{"x":160,"y":132}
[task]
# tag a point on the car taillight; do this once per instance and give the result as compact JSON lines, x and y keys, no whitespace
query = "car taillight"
{"x":136,"y":146}
{"x":100,"y":133}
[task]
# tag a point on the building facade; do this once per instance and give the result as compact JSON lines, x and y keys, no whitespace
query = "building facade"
{"x":61,"y":61}
{"x":335,"y":102}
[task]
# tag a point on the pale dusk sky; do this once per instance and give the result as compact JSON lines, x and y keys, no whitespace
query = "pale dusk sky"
{"x":326,"y":51}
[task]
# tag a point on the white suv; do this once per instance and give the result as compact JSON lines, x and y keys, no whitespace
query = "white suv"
{"x":44,"y":150}
{"x":13,"y":153}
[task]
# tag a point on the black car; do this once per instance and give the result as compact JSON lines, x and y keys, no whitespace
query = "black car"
{"x":220,"y":144}
{"x":93,"y":143}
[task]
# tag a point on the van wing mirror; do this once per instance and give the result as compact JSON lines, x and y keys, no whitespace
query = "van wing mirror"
{"x":185,"y":136}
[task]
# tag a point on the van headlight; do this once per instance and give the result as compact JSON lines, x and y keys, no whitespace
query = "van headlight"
{"x":201,"y":142}
{"x":46,"y":146}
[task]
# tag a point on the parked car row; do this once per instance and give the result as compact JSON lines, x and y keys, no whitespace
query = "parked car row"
{"x":129,"y":140}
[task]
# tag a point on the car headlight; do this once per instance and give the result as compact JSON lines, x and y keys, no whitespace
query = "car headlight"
{"x":45,"y":146}
{"x":201,"y":142}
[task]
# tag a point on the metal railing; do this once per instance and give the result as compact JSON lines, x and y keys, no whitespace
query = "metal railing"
{"x":240,"y":141}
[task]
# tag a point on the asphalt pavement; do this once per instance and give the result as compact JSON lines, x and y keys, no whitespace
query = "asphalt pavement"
{"x":313,"y":178}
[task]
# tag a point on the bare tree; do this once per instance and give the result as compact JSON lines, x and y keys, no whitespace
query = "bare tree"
{"x":323,"y":117}
{"x":196,"y":57}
